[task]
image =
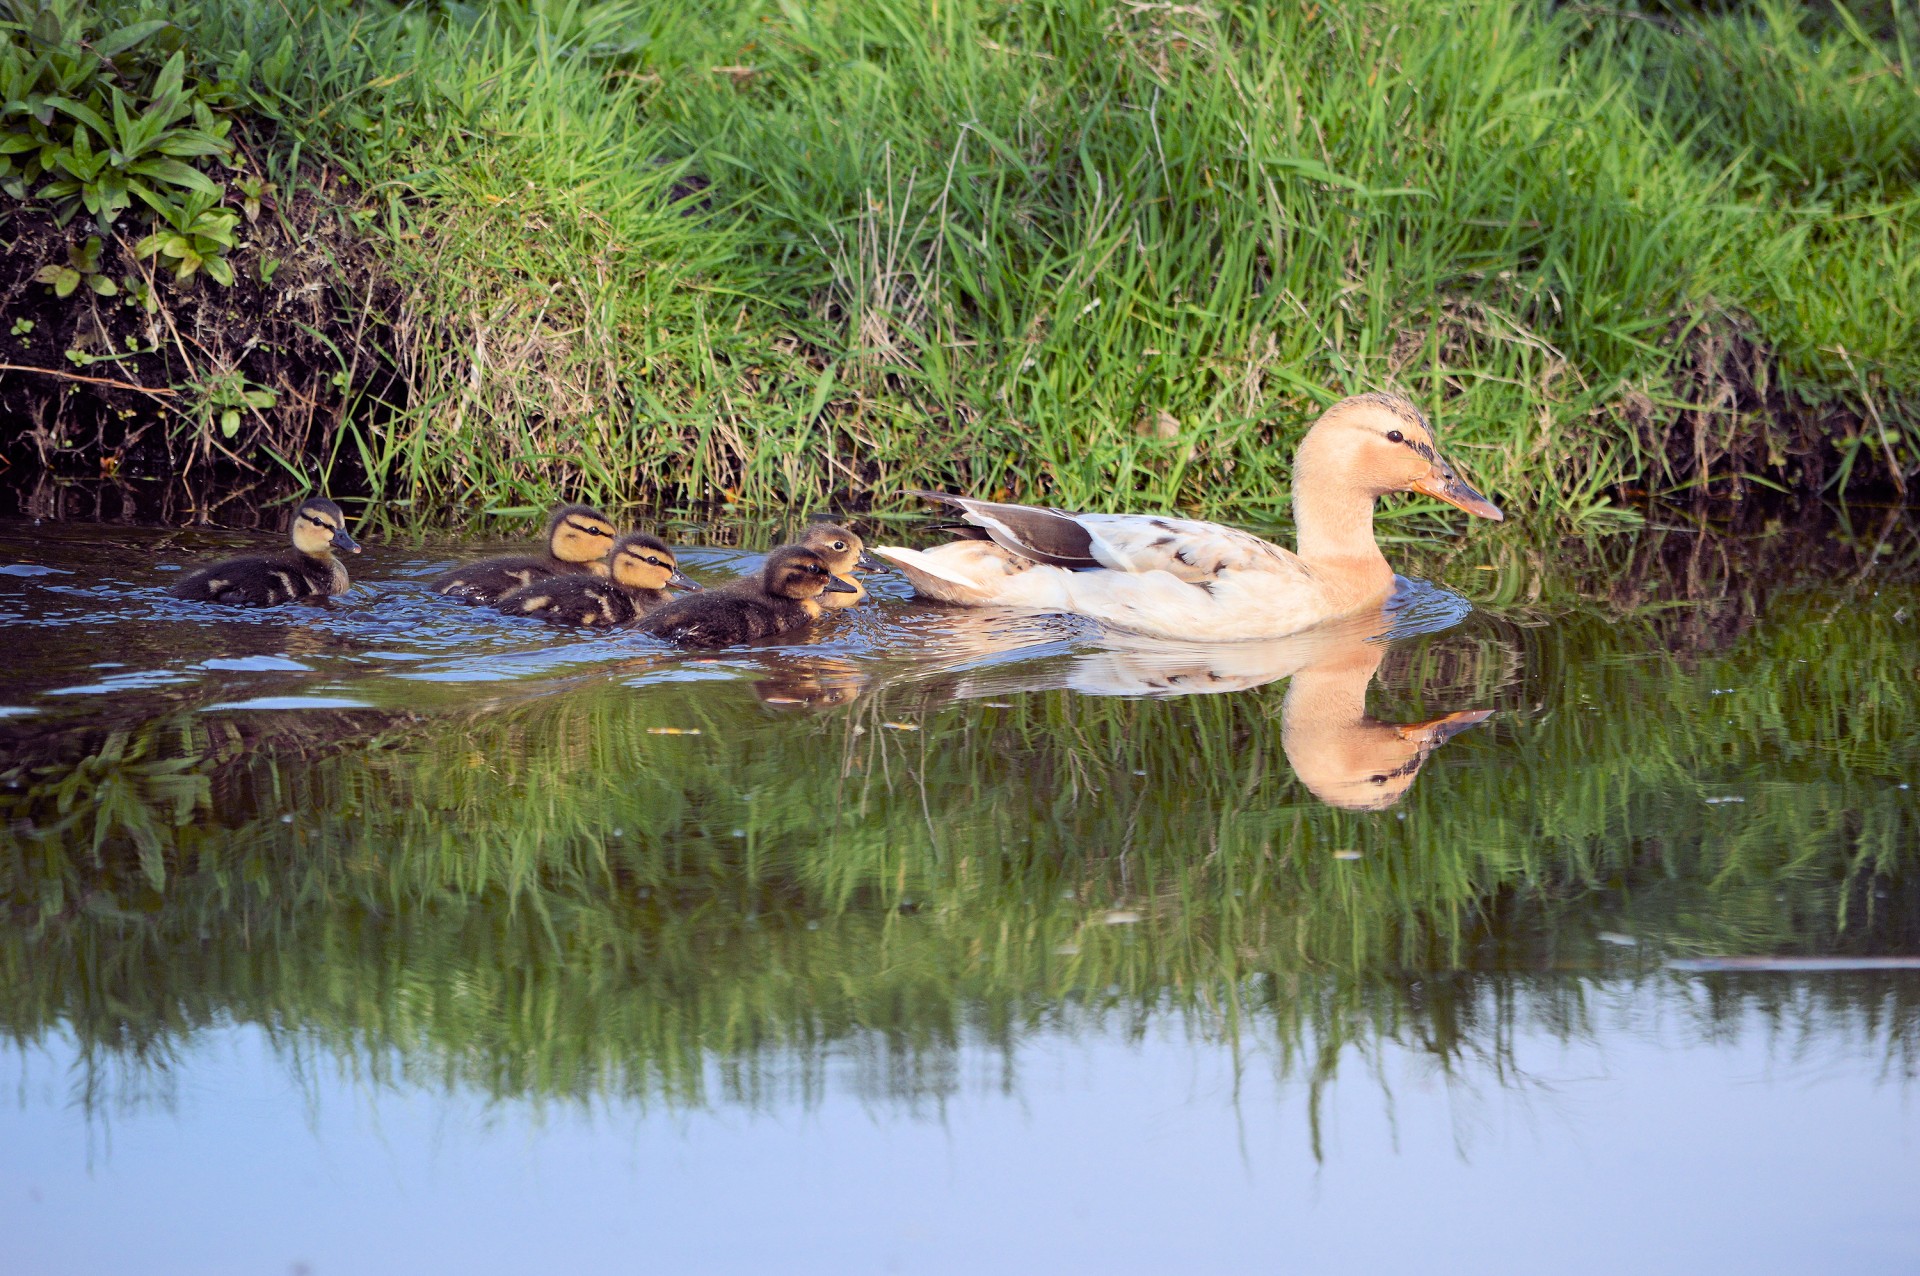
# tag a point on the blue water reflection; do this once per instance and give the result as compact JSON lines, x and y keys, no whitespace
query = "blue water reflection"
{"x":1642,"y":1144}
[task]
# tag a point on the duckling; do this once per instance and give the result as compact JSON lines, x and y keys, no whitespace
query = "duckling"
{"x":642,"y":566}
{"x":578,"y":538}
{"x":844,"y":553}
{"x":784,"y":596}
{"x":264,"y":580}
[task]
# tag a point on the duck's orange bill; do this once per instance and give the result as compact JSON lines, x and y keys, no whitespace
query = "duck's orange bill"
{"x":1438,"y":731}
{"x":1443,"y":483}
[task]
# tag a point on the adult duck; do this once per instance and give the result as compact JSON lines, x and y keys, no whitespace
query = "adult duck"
{"x":1180,"y":578}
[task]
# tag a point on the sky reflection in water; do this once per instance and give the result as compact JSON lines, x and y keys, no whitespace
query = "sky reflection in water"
{"x":815,"y":957}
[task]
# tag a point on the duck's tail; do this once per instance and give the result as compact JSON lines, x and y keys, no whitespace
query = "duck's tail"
{"x":969,"y":573}
{"x":935,"y":580}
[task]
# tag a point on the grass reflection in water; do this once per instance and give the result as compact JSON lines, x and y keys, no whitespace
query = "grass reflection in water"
{"x":567,"y":893}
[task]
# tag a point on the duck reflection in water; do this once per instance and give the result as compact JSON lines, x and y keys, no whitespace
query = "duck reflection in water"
{"x":1343,"y":755}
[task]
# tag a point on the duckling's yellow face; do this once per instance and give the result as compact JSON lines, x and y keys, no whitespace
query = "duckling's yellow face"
{"x":1382,"y":443}
{"x":796,"y":572}
{"x":643,"y":566}
{"x":579,"y":535}
{"x":838,"y":548}
{"x":319,"y":528}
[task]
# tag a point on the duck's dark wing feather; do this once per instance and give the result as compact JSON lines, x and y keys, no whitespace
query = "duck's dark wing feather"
{"x":1032,"y":531}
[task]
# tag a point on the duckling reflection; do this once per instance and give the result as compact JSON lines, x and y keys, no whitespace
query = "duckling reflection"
{"x":809,"y":682}
{"x":1343,"y":755}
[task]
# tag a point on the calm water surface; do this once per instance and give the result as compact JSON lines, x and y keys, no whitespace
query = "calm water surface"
{"x":1562,"y":916}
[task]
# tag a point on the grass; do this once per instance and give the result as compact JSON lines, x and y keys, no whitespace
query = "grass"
{"x":1111,"y":254}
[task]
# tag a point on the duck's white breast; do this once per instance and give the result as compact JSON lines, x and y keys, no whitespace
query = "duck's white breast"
{"x":1235,"y":606}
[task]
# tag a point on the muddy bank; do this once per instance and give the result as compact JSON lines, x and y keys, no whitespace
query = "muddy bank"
{"x":146,"y":376}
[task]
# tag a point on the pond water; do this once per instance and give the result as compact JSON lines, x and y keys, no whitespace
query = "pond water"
{"x":1565,"y":915}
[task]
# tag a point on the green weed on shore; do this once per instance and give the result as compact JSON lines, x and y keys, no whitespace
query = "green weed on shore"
{"x":1112,"y":254}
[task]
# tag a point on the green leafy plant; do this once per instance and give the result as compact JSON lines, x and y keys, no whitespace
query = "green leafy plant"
{"x":198,"y":232}
{"x":252,"y":190}
{"x":227,"y":397}
{"x":83,"y":266}
{"x":95,"y":118}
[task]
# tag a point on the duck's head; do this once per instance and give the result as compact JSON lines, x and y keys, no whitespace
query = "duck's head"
{"x":1380,"y":443}
{"x":796,"y":572}
{"x":579,"y":534}
{"x":319,"y":528}
{"x":840,"y":549}
{"x":640,"y":561}
{"x":1370,"y":765}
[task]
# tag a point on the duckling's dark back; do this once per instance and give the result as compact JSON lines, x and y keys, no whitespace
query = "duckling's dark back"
{"x":490,"y":579}
{"x":725,"y":617}
{"x":267,"y":580}
{"x":780,"y":598}
{"x":582,"y":600}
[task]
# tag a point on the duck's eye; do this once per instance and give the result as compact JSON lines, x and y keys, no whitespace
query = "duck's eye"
{"x":1394,"y":436}
{"x":1377,"y":779}
{"x":839,"y":545}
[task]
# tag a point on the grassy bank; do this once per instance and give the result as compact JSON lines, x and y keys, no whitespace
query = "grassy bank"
{"x":1106,"y":254}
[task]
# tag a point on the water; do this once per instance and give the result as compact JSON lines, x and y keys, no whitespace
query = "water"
{"x":1564,"y":916}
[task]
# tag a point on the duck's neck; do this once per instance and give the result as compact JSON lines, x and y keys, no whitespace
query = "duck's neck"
{"x":335,"y":569}
{"x":1333,"y":516}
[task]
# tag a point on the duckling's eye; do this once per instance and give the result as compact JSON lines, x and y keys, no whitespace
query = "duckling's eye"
{"x":839,"y":545}
{"x":1376,"y":779}
{"x":1393,"y":436}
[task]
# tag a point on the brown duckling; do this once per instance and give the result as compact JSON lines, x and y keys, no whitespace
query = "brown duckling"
{"x":264,"y":580}
{"x":784,"y":596}
{"x":578,"y":538}
{"x":844,"y":553}
{"x":642,"y":569}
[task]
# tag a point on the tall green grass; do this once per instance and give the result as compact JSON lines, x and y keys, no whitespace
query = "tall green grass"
{"x":1115,"y":254}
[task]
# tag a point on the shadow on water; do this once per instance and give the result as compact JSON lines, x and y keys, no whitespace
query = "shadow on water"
{"x":457,"y":848}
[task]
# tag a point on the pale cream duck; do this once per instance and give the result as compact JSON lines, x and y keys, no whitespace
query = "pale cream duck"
{"x":1180,"y":578}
